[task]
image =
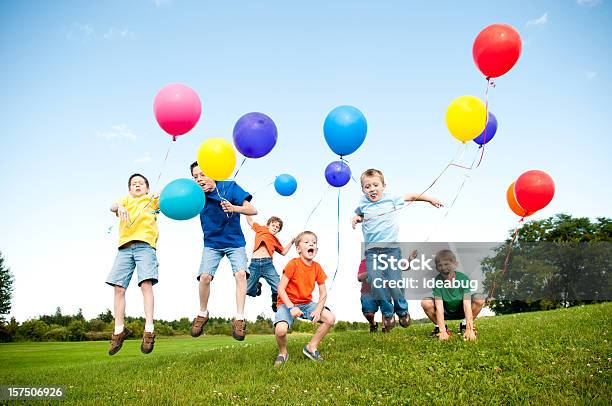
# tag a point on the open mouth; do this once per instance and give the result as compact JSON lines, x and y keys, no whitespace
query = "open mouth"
{"x":310,"y":251}
{"x":373,"y":195}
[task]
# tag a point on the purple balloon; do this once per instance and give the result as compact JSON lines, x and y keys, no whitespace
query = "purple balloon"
{"x":489,"y":131}
{"x":255,"y":135}
{"x":337,"y":173}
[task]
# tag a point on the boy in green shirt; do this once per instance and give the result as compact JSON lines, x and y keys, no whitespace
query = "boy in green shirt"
{"x":452,"y":299}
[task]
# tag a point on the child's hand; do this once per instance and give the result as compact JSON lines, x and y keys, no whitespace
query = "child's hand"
{"x":413,"y":255}
{"x":355,"y":220}
{"x":295,"y":312}
{"x":443,"y":335}
{"x":316,"y":316}
{"x":122,"y":213}
{"x":228,"y":207}
{"x":470,"y":333}
{"x":435,"y":202}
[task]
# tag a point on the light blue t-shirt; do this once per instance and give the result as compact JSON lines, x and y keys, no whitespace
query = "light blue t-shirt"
{"x":380,"y":218}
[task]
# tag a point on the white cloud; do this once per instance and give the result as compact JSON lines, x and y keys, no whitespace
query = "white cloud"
{"x":79,"y":31}
{"x":588,"y":3}
{"x":116,"y":33}
{"x":116,"y":132}
{"x":538,"y":21}
{"x":590,"y":74}
{"x":143,"y":159}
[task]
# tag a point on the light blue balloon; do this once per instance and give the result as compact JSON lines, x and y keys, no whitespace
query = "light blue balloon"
{"x":285,"y":184}
{"x":345,"y":129}
{"x":182,"y":199}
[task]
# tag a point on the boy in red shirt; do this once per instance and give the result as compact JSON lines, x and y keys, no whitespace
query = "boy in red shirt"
{"x":261,"y":265}
{"x":295,"y":298}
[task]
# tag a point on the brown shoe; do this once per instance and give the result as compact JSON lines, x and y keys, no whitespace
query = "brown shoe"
{"x":117,"y":341}
{"x":238,"y":329}
{"x":148,"y":340}
{"x":404,"y":321}
{"x":388,"y":323}
{"x":197,"y":325}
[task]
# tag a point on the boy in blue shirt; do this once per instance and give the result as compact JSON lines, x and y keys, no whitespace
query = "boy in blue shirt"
{"x":376,"y":212}
{"x":220,"y":220}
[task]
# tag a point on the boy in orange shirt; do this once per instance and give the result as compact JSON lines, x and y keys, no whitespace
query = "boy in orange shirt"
{"x":295,"y":298}
{"x":261,"y":262}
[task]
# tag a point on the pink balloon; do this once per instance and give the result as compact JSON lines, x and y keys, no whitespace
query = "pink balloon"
{"x":177,"y":109}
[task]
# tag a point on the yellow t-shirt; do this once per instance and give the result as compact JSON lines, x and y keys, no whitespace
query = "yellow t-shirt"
{"x":143,"y":220}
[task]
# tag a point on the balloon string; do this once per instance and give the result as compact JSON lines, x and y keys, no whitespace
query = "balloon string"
{"x":316,"y":206}
{"x":262,"y":188}
{"x":337,"y":243}
{"x":238,"y":170}
{"x":490,"y":83}
{"x":506,"y":261}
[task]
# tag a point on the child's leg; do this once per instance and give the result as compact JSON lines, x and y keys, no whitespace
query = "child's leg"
{"x":269,"y":274}
{"x":327,"y":322}
{"x":119,"y":306}
{"x":429,"y":308}
{"x":238,"y":259}
{"x":280,"y":332}
{"x":147,"y":293}
{"x":253,"y":278}
{"x":208,"y":266}
{"x":477,"y":305}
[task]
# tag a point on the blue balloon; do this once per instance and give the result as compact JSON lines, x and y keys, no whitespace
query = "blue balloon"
{"x":182,"y":199}
{"x":489,"y":131}
{"x":345,"y":129}
{"x":285,"y":184}
{"x":337,"y":173}
{"x":255,"y":135}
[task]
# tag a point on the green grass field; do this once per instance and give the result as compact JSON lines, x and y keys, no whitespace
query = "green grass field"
{"x":555,"y":357}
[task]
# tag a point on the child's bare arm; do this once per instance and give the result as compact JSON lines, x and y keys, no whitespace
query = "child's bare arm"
{"x":362,"y":276}
{"x":440,"y":319}
{"x":247,"y":208}
{"x":287,"y":247}
{"x":356,"y":220}
{"x":120,"y":211}
{"x":316,"y":314}
{"x":469,"y":334}
{"x":282,"y":293}
{"x":250,"y":220}
{"x":411,"y":197}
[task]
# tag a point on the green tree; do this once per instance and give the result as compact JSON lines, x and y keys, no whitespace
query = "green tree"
{"x":561,"y":261}
{"x":6,"y":290}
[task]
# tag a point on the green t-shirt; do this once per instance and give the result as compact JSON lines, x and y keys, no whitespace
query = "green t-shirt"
{"x":452,"y":291}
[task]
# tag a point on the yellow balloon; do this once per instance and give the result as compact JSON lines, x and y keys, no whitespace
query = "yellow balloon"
{"x":216,"y":158}
{"x":466,"y":118}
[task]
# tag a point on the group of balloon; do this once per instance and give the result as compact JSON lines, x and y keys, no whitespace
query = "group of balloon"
{"x":178,"y":108}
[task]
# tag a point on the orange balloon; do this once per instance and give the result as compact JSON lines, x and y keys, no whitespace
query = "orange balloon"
{"x":514,"y":206}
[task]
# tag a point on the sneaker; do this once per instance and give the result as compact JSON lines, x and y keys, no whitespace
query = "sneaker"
{"x":238,"y":329}
{"x":462,"y":327}
{"x":148,"y":340}
{"x":315,"y":355}
{"x":435,"y":331}
{"x":258,"y":289}
{"x":197,"y":325}
{"x":274,"y":309}
{"x":404,"y":321}
{"x":373,"y":328}
{"x":389,"y":323}
{"x":280,"y":360}
{"x":117,"y":341}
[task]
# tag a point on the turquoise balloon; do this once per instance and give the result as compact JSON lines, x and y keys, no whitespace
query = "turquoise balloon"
{"x":182,"y":199}
{"x":345,"y":129}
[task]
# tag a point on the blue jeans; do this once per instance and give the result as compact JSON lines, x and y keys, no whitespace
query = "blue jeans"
{"x":371,"y":305}
{"x":262,"y":268}
{"x":136,"y":255}
{"x":391,"y":297}
{"x":212,"y":256}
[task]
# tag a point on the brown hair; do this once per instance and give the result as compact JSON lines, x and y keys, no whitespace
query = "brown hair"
{"x":275,"y":219}
{"x":135,"y":175}
{"x":446,"y":255}
{"x":302,"y":234}
{"x":372,"y":172}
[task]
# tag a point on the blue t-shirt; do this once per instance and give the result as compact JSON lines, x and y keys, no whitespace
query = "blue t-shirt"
{"x":380,"y":223}
{"x":221,"y":229}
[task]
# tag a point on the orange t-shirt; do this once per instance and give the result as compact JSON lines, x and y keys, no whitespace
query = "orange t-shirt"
{"x":263,"y":236}
{"x":302,"y":280}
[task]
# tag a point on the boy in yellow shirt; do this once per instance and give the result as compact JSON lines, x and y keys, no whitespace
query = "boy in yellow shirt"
{"x":138,"y":234}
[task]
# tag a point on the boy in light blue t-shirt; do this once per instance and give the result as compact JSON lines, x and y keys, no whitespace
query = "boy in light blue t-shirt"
{"x":376,"y":212}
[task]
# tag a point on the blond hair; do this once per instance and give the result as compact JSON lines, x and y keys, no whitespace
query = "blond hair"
{"x":372,"y":172}
{"x":446,"y":255}
{"x":302,"y":235}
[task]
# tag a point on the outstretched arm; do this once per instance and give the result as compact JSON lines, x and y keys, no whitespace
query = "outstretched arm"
{"x":411,"y":197}
{"x":287,"y":247}
{"x":120,"y":211}
{"x":250,"y":220}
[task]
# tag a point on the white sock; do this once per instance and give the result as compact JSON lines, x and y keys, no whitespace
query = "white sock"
{"x":149,"y":328}
{"x":239,"y":316}
{"x":118,"y":329}
{"x":203,"y":313}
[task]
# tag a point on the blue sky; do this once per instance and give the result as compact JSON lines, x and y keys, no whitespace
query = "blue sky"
{"x":78,"y":81}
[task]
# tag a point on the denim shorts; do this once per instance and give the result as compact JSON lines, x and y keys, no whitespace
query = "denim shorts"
{"x":283,"y":313}
{"x":139,"y":255}
{"x":212,"y":256}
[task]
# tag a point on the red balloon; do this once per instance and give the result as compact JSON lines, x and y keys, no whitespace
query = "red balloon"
{"x":534,"y":190}
{"x":496,"y":49}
